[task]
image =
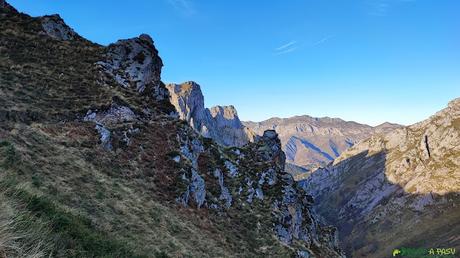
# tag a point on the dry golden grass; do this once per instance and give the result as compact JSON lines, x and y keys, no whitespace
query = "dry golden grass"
{"x":18,"y":237}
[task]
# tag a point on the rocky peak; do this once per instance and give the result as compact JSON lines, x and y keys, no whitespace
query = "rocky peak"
{"x":55,"y":27}
{"x":189,"y":102}
{"x":220,"y":123}
{"x":134,"y":63}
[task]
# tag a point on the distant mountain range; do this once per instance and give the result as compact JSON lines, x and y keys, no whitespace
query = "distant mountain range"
{"x":311,"y":142}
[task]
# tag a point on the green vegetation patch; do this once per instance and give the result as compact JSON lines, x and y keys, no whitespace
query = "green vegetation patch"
{"x":73,"y":234}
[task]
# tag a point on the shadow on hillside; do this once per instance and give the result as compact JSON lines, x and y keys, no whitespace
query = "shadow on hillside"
{"x":375,"y":216}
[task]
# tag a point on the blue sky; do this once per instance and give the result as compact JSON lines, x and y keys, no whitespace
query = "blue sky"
{"x":364,"y":60}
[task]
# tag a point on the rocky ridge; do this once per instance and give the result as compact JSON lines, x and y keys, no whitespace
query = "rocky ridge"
{"x":220,"y":123}
{"x":403,"y":184}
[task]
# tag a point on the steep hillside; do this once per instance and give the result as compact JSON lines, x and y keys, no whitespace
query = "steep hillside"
{"x":313,"y":142}
{"x":95,"y":163}
{"x":220,"y":123}
{"x":401,"y":189}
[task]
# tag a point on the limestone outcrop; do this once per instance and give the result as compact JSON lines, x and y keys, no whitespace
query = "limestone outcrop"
{"x":134,"y":63}
{"x":220,"y":123}
{"x":55,"y":27}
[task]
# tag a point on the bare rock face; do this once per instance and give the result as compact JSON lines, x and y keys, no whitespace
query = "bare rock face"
{"x":134,"y":63}
{"x":311,"y":142}
{"x":55,"y":27}
{"x":407,"y":181}
{"x":220,"y":123}
{"x":228,"y":127}
{"x":225,"y":116}
{"x":189,"y":102}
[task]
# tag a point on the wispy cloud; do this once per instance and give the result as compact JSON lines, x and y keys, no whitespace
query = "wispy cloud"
{"x":293,"y":42}
{"x":289,"y":50}
{"x":286,"y":48}
{"x":322,"y":40}
{"x":184,"y":6}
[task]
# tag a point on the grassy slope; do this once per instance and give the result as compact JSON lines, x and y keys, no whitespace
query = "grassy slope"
{"x":109,"y":198}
